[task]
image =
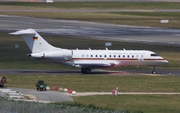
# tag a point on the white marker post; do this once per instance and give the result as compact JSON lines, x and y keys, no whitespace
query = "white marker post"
{"x":49,"y":1}
{"x":164,"y":21}
{"x":108,"y":44}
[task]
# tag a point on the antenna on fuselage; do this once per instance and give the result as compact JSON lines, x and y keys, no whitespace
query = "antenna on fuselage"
{"x":106,"y":48}
{"x":124,"y":49}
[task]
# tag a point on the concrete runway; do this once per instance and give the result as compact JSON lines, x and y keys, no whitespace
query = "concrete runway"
{"x":94,"y":30}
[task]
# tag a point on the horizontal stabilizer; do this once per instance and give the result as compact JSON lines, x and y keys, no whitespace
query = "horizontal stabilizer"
{"x":34,"y":41}
{"x":23,"y":32}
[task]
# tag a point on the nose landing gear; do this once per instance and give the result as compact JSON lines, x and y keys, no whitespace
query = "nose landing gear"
{"x":154,"y":70}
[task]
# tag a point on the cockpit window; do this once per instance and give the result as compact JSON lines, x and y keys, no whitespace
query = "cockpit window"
{"x":154,"y":55}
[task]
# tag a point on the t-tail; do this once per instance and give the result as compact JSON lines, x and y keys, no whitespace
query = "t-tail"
{"x":34,"y":41}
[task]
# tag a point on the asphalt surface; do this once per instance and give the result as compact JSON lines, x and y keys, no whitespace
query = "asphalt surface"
{"x":55,"y":96}
{"x":94,"y":30}
{"x":107,"y":72}
{"x":46,"y":96}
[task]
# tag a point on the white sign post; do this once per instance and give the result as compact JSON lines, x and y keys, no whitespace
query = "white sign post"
{"x":108,"y":44}
{"x":164,"y":21}
{"x":49,"y":1}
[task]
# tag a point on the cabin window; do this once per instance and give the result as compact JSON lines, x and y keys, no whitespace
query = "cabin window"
{"x":154,"y":55}
{"x":109,"y":55}
{"x":119,"y":56}
{"x":128,"y":56}
{"x":123,"y":56}
{"x":104,"y":56}
{"x":132,"y":56}
{"x":86,"y":55}
{"x":91,"y":55}
{"x":82,"y":55}
{"x":114,"y":56}
{"x":100,"y":55}
{"x":96,"y":56}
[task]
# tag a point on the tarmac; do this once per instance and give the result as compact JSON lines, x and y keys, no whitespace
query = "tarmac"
{"x":56,"y":96}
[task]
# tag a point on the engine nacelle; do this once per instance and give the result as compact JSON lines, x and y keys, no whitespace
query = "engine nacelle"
{"x":36,"y":55}
{"x":58,"y":54}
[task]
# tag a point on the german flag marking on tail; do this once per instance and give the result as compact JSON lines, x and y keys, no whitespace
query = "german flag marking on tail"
{"x":35,"y":38}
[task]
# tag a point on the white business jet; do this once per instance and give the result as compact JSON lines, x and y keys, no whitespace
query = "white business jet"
{"x":87,"y":59}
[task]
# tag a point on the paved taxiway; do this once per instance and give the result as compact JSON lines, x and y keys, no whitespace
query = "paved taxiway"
{"x":55,"y":96}
{"x":93,"y":30}
{"x":46,"y":96}
{"x":129,"y":72}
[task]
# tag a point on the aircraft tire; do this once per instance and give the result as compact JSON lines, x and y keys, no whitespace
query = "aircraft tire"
{"x":153,"y":72}
{"x":85,"y":70}
{"x":88,"y":70}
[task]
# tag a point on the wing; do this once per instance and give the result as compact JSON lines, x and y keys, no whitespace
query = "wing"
{"x":95,"y":64}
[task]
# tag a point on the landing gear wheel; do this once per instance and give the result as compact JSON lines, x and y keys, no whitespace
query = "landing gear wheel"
{"x":154,"y":70}
{"x":85,"y":70}
{"x":88,"y":70}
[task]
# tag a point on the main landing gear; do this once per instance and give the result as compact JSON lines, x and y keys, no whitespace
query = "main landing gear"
{"x":85,"y":70}
{"x":154,"y":70}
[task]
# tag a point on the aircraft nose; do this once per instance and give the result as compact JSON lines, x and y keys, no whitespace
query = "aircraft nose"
{"x":165,"y":62}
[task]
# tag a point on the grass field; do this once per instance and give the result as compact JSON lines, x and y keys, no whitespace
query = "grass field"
{"x":105,"y":83}
{"x":95,"y":5}
{"x":145,"y":18}
{"x":98,"y":82}
{"x":136,"y":103}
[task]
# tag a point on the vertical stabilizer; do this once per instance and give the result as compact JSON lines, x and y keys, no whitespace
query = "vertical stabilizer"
{"x":34,"y":41}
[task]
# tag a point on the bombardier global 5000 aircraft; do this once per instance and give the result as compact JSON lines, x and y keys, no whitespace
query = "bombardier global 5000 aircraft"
{"x":87,"y":59}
